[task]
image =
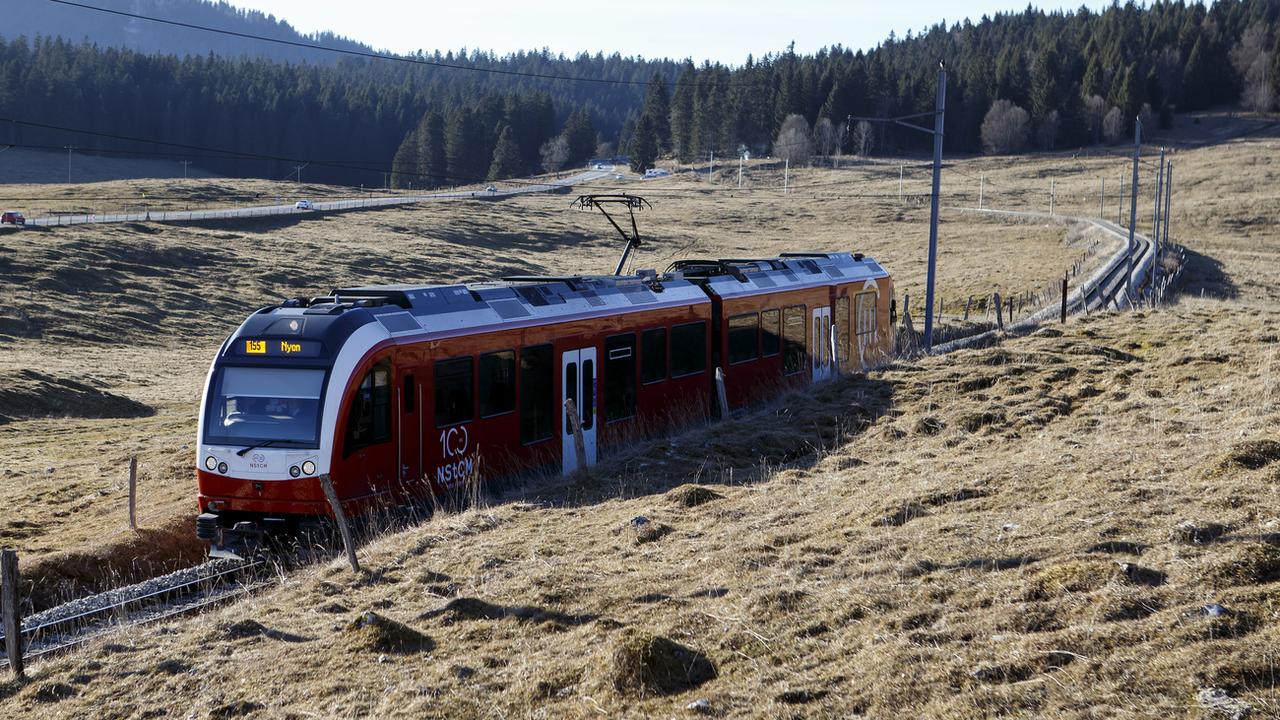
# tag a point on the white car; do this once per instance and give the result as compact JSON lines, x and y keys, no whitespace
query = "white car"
{"x":302,"y":205}
{"x":491,"y":188}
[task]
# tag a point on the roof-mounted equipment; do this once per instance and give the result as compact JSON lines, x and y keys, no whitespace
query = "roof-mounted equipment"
{"x":631,"y":203}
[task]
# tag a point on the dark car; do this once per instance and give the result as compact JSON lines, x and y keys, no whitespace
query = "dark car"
{"x":13,"y":218}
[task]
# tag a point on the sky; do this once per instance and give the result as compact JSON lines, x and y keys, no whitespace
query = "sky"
{"x":716,"y":30}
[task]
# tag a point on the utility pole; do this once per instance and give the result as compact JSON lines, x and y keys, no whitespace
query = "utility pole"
{"x":939,"y":114}
{"x":1051,"y":191}
{"x":901,"y":168}
{"x":185,"y":163}
{"x":1156,"y":200}
{"x":712,"y":172}
{"x":982,"y":185}
{"x":1168,"y":199}
{"x":69,"y":149}
{"x":786,"y":175}
{"x":1133,"y":201}
{"x":298,"y":169}
{"x":740,"y":159}
{"x":1102,"y":199}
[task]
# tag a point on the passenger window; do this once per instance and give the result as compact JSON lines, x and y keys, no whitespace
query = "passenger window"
{"x":793,"y":340}
{"x":688,"y":349}
{"x":454,"y":401}
{"x":587,"y":410}
{"x":619,"y":377}
{"x":571,"y":385}
{"x":369,"y":419}
{"x":537,"y":390}
{"x":770,"y":340}
{"x":497,"y":383}
{"x":406,"y":400}
{"x":653,"y":364}
{"x":744,"y":338}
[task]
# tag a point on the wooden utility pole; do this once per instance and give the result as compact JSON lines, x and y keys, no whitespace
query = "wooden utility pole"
{"x":341,"y":518}
{"x":9,"y":607}
{"x":1064,"y":297}
{"x":575,"y":426}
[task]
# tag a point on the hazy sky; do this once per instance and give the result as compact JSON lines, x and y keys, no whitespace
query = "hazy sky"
{"x":724,"y":30}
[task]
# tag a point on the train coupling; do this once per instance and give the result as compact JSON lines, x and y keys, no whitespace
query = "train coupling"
{"x":241,"y":540}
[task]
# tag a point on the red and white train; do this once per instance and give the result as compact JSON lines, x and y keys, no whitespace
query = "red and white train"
{"x":398,"y":391}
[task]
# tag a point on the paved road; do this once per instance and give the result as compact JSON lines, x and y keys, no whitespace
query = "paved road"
{"x":506,"y":190}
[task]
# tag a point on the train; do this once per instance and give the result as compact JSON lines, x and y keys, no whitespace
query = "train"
{"x":398,"y":392}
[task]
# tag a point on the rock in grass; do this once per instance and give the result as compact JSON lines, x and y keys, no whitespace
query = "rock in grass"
{"x":377,"y":633}
{"x":1197,"y":533}
{"x":642,"y":664}
{"x":649,"y":531}
{"x":1221,"y":705}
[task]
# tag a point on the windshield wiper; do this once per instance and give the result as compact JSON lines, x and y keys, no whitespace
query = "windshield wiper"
{"x":264,"y":443}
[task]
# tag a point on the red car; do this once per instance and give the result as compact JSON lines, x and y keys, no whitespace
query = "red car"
{"x":14,"y":218}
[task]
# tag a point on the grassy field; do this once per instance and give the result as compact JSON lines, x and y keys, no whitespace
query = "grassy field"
{"x":996,"y":531}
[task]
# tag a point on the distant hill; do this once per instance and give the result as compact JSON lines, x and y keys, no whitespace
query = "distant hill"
{"x":31,"y":18}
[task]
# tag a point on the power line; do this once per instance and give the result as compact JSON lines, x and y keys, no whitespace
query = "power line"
{"x":356,"y":53}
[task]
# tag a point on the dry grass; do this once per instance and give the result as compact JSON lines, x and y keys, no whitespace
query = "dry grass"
{"x":1032,"y":529}
{"x":1043,"y":568}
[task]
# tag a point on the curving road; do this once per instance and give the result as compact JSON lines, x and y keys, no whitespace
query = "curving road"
{"x":523,"y":188}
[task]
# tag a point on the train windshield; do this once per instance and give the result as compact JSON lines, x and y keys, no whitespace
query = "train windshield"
{"x":252,"y":405}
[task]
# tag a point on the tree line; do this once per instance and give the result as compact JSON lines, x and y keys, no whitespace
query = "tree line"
{"x":1015,"y":81}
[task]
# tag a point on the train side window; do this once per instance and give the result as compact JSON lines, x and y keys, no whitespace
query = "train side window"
{"x":744,"y":338}
{"x":794,"y":358}
{"x":406,"y":401}
{"x":369,"y":420}
{"x":653,"y":363}
{"x":688,"y":349}
{"x":497,"y":383}
{"x":587,"y":408}
{"x":455,"y":401}
{"x":770,"y":340}
{"x":537,"y":388}
{"x":619,"y":377}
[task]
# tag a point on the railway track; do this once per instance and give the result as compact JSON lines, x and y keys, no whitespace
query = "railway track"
{"x":185,"y":591}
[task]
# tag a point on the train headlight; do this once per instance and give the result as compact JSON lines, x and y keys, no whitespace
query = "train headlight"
{"x":308,"y":468}
{"x":222,"y":468}
{"x":294,"y":471}
{"x":210,"y":463}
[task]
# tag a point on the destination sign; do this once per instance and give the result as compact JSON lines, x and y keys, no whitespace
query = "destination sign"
{"x":279,"y":348}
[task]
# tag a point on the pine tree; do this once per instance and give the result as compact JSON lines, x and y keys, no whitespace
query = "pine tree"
{"x":1092,"y":83}
{"x":507,"y":162}
{"x":682,"y":114}
{"x":1196,"y":77}
{"x":657,"y":106}
{"x":644,"y":145}
{"x":434,"y":167}
{"x":580,"y":135}
{"x":1045,"y":93}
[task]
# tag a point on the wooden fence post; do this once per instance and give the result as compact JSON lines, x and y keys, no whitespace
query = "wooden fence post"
{"x":133,"y":493}
{"x":967,"y":303}
{"x":721,"y":397}
{"x":999,"y":307}
{"x":9,"y":607}
{"x":341,"y":518}
{"x":1064,"y":297}
{"x":575,"y":425}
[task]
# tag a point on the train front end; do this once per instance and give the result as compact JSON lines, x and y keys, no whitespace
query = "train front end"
{"x":266,"y":428}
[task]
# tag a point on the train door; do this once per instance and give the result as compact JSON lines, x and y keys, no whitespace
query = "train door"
{"x":821,"y":347}
{"x":409,"y":410}
{"x":578,"y":375}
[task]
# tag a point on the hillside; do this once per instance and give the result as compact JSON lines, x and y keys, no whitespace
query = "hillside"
{"x":1000,"y":531}
{"x":31,"y":18}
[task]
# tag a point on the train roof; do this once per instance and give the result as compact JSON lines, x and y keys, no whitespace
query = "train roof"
{"x":736,"y":277}
{"x":407,"y":309}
